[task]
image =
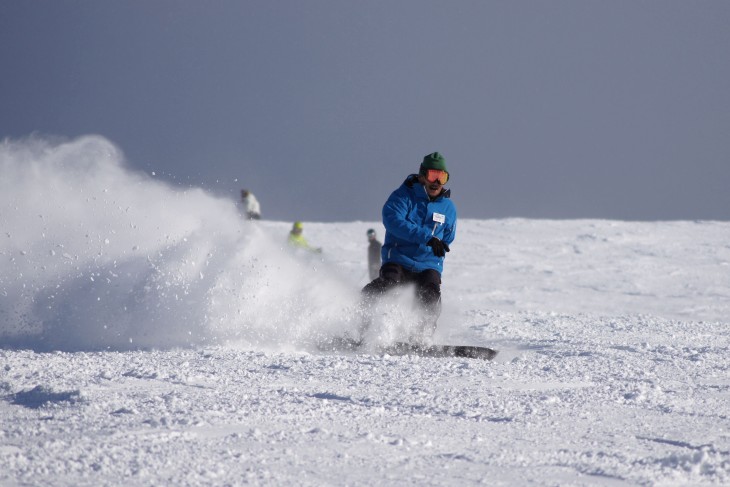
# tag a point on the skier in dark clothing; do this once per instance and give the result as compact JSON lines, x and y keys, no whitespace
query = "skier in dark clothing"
{"x":374,"y":248}
{"x":420,"y":224}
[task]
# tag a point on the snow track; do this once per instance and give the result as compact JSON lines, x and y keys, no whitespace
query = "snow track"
{"x":615,"y":411}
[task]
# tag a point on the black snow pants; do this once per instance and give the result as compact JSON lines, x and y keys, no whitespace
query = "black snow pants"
{"x":428,"y":293}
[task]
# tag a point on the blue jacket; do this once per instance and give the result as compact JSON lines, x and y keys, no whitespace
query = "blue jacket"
{"x":408,"y":217}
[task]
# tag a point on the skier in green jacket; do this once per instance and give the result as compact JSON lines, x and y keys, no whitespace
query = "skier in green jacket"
{"x":296,"y":239}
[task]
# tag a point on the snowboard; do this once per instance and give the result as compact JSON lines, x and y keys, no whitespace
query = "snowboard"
{"x":347,"y":344}
{"x":339,"y":344}
{"x":465,"y":351}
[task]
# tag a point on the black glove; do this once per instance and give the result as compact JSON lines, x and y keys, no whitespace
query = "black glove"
{"x":439,"y":248}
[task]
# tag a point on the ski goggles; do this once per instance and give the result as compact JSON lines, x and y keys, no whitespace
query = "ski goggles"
{"x":433,"y":175}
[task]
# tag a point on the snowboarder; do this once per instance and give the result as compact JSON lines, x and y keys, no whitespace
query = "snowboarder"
{"x":251,"y":205}
{"x":374,"y":249}
{"x":420,"y":224}
{"x":297,"y":240}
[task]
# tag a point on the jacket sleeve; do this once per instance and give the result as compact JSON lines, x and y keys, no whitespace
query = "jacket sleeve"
{"x":395,"y":219}
{"x":450,"y":230}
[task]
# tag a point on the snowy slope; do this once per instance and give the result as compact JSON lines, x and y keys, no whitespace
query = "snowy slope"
{"x":150,"y":336}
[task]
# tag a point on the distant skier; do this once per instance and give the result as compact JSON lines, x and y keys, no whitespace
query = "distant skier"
{"x":251,"y":206}
{"x":374,"y":249}
{"x":296,"y":239}
{"x":420,"y":224}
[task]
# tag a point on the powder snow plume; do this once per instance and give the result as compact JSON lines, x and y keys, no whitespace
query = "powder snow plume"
{"x":97,"y":256}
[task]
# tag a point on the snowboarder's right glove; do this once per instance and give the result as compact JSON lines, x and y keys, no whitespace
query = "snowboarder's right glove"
{"x":439,"y":248}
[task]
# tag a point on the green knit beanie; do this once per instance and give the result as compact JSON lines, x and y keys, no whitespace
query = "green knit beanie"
{"x":434,"y":161}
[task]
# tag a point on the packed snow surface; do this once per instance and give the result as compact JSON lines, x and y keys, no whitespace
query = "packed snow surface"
{"x":151,"y":336}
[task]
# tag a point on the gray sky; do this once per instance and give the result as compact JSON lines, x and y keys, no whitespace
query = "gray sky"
{"x":543,"y":109}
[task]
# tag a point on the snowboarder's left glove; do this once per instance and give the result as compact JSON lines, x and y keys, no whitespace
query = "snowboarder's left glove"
{"x":439,"y":248}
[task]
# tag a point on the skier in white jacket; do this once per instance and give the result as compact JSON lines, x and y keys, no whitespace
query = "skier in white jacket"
{"x":251,"y":205}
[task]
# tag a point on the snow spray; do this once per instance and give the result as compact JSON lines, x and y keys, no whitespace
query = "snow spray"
{"x":96,"y":256}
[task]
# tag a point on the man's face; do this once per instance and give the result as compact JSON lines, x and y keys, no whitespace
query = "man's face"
{"x":433,"y":188}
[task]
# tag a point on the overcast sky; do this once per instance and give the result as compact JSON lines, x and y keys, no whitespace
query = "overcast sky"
{"x":543,"y":109}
